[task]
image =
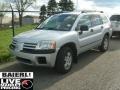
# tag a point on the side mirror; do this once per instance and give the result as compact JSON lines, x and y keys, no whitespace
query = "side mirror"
{"x":84,"y":28}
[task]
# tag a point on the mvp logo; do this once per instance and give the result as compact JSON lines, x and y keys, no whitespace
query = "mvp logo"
{"x":16,"y":80}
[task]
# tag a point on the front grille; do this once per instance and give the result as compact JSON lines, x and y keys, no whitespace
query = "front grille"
{"x":20,"y":46}
{"x":35,"y":51}
{"x":26,"y":50}
{"x":14,"y":42}
{"x":29,"y":45}
{"x":13,"y":45}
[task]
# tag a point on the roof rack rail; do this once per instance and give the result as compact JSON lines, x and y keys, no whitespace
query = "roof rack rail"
{"x":61,"y":12}
{"x":87,"y":11}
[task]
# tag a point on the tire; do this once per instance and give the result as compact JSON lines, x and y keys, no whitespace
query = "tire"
{"x":64,"y":60}
{"x":105,"y":44}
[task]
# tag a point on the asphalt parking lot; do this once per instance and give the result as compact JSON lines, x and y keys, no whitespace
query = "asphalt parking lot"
{"x":94,"y":71}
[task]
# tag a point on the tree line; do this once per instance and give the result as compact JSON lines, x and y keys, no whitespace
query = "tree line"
{"x":54,"y":7}
{"x":45,"y":10}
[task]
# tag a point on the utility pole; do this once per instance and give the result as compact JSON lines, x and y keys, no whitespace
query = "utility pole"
{"x":13,"y":28}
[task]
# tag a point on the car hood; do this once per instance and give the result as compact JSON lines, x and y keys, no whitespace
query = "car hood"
{"x":37,"y":35}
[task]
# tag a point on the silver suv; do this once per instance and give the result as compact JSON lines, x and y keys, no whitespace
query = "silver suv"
{"x":115,"y":22}
{"x":59,"y":39}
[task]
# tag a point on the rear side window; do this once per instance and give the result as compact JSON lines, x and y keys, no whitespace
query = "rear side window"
{"x":104,"y":19}
{"x":115,"y":18}
{"x":96,"y":20}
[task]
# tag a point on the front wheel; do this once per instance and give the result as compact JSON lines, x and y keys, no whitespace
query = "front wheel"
{"x":64,"y":60}
{"x":105,"y":44}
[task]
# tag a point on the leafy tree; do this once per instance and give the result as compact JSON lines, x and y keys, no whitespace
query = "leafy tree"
{"x":66,"y":5}
{"x":43,"y":12}
{"x":52,"y":7}
{"x":21,"y":6}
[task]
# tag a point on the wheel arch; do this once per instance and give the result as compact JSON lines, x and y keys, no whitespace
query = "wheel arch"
{"x":73,"y":47}
{"x":107,"y":33}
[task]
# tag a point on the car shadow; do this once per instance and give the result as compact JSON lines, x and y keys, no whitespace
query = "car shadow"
{"x":46,"y":77}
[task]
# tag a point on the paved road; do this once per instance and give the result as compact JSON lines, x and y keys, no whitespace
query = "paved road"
{"x":94,"y":71}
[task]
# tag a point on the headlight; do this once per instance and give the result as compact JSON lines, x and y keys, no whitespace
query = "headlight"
{"x":46,"y":45}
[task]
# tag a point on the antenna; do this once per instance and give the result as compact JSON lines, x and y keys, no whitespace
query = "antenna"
{"x":76,"y":5}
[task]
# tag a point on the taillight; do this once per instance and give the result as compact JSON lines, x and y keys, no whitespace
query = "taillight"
{"x":110,"y":25}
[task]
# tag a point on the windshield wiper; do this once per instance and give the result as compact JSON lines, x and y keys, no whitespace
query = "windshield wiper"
{"x":39,"y":28}
{"x":47,"y":28}
{"x":50,"y":28}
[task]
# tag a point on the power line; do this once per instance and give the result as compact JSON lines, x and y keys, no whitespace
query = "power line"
{"x":20,"y":11}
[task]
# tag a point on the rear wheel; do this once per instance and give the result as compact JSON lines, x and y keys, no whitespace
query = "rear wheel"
{"x":64,"y":60}
{"x":105,"y":44}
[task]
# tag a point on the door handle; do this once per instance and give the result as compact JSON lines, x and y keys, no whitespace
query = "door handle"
{"x":91,"y":30}
{"x":80,"y":32}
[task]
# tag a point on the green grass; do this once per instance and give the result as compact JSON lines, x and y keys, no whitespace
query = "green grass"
{"x":6,"y":38}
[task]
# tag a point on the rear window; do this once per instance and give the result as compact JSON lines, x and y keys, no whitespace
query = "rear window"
{"x":115,"y":18}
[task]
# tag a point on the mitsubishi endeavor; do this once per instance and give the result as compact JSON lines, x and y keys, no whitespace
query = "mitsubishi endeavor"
{"x":59,"y":39}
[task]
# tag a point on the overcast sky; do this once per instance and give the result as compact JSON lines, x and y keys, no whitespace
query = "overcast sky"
{"x":108,"y":6}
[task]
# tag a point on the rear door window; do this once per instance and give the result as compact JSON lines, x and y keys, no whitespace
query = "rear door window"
{"x":96,"y":20}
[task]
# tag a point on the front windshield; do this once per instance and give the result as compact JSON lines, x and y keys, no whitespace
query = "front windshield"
{"x":63,"y":22}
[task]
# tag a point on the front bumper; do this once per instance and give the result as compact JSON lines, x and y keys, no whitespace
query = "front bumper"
{"x":32,"y":58}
